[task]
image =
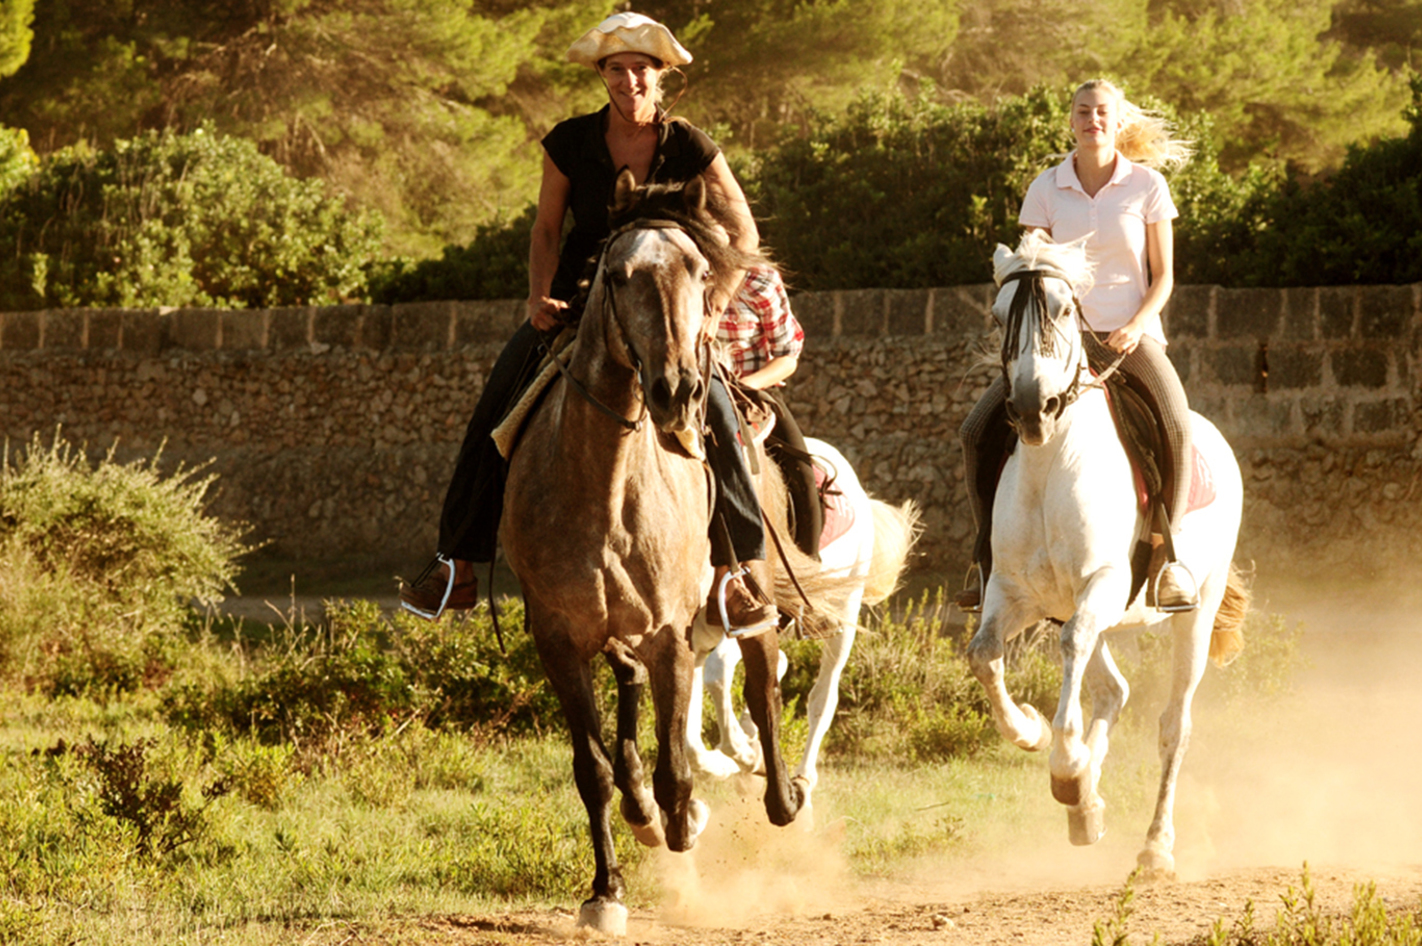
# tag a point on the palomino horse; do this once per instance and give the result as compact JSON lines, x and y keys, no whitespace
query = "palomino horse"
{"x":1063,"y":530}
{"x":871,"y":551}
{"x":605,"y":524}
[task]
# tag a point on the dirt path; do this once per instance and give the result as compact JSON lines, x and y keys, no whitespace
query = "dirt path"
{"x":1330,"y":779}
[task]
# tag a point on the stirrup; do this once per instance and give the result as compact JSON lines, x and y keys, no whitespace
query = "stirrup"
{"x":972,"y":584}
{"x":737,"y":632}
{"x":1191,"y":591}
{"x":440,"y":558}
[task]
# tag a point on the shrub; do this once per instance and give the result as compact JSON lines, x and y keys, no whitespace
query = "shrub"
{"x":98,"y":565}
{"x":331,"y":686}
{"x":494,"y":265}
{"x":169,"y":219}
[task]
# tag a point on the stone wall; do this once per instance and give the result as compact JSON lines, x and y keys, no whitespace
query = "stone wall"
{"x":333,"y":430}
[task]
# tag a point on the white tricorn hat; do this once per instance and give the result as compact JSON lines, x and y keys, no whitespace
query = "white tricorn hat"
{"x":628,"y":33}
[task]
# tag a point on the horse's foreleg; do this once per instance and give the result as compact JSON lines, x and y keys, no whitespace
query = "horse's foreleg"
{"x":671,"y":664}
{"x":639,"y":808}
{"x":784,"y":797}
{"x":1192,"y":648}
{"x":703,"y":761}
{"x":1072,"y":763}
{"x":571,"y":679}
{"x":1020,"y":725}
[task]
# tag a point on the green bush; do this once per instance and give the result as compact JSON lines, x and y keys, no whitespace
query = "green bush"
{"x":165,"y":219}
{"x":494,"y":265}
{"x":98,"y":566}
{"x":1359,"y":225}
{"x":17,"y":161}
{"x":328,"y":686}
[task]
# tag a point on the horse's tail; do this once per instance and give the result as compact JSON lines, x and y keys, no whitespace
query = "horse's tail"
{"x":896,"y":529}
{"x":1227,"y":638}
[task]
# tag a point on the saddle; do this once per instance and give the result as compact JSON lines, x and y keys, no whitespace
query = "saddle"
{"x":1143,"y":437}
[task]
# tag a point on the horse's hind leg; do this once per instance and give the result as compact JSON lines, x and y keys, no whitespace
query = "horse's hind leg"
{"x":638,"y":807}
{"x":1192,"y":648}
{"x":592,"y":772}
{"x":784,"y":797}
{"x":824,"y":696}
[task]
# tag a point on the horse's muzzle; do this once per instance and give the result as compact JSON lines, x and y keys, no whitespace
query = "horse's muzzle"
{"x":672,"y":399}
{"x":1034,"y":420}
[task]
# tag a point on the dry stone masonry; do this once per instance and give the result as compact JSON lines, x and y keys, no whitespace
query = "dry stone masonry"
{"x":333,"y":430}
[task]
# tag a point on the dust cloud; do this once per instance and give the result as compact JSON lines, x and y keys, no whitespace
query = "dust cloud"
{"x":1328,"y":774}
{"x":1331,"y":774}
{"x":743,"y":866}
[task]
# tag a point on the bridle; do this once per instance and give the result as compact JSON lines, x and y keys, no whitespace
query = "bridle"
{"x":1032,"y":294}
{"x":614,"y":317}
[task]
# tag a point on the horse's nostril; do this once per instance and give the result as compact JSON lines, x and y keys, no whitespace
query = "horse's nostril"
{"x":1051,"y":406}
{"x":660,"y":393}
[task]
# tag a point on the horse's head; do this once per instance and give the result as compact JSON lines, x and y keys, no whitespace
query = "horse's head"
{"x":655,"y":277}
{"x":1042,"y":356}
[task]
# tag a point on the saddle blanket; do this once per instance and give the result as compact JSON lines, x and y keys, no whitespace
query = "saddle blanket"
{"x":1202,"y":484}
{"x":839,"y":514}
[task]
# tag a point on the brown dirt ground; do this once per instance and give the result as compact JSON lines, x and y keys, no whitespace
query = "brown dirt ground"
{"x":1331,"y":781}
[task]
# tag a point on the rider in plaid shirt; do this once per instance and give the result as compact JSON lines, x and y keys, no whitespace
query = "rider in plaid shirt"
{"x":759,"y":338}
{"x":760,"y":341}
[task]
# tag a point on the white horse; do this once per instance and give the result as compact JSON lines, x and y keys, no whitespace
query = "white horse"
{"x":873,"y":550}
{"x":1064,"y":527}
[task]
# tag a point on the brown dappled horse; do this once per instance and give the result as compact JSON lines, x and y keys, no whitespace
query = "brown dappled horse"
{"x":605,"y":524}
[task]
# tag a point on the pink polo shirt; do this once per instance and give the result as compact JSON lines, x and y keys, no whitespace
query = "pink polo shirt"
{"x":1115,"y":220}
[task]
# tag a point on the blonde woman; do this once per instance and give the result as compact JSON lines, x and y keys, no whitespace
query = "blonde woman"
{"x":1109,"y":191}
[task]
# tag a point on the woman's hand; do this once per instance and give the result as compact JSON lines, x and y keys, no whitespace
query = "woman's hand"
{"x":546,"y":314}
{"x":1126,"y":338}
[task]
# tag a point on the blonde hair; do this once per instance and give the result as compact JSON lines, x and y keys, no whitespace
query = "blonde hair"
{"x":1144,"y":137}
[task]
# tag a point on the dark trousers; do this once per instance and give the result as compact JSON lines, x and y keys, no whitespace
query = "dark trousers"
{"x":474,"y":501}
{"x":736,"y":517}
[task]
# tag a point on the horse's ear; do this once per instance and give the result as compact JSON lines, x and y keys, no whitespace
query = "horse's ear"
{"x":624,"y":192}
{"x":695,"y":194}
{"x":1000,"y":258}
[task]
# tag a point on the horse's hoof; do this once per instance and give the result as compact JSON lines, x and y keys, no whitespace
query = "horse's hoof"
{"x":649,"y":834}
{"x":1156,"y":866}
{"x":1042,"y":740}
{"x":714,"y":764}
{"x":698,"y":813}
{"x":1086,"y":823}
{"x":607,"y":917}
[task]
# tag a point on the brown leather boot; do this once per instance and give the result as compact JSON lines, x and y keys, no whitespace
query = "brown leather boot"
{"x":444,"y":585}
{"x":746,"y":612}
{"x":1171,"y":588}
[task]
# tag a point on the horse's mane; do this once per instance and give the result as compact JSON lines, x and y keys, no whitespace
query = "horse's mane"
{"x":700,"y":211}
{"x":1037,"y":250}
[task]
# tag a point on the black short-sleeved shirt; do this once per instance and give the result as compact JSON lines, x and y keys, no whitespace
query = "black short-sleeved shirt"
{"x":578,"y":148}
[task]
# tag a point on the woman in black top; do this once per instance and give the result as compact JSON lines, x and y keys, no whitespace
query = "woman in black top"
{"x":582,"y":157}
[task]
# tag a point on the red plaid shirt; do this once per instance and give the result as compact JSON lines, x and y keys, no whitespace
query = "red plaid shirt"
{"x":758,"y":324}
